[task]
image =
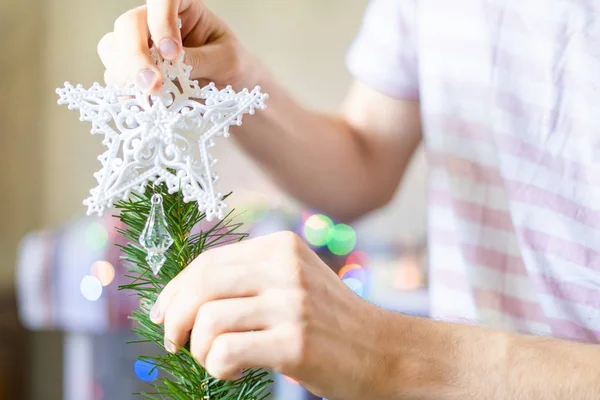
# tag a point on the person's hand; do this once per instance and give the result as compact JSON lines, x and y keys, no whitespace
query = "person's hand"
{"x":271,"y":303}
{"x":210,"y":47}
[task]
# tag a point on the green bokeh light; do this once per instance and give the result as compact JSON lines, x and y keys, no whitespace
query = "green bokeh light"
{"x":342,"y":240}
{"x":317,"y":229}
{"x":96,"y":236}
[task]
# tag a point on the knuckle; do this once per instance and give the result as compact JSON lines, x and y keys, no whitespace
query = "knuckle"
{"x":289,"y":246}
{"x":296,"y":349}
{"x":217,"y":371}
{"x":298,"y":274}
{"x":104,"y":44}
{"x":172,"y":322}
{"x":123,"y":20}
{"x":200,"y":273}
{"x":128,"y":18}
{"x":208,"y":318}
{"x":203,"y":260}
{"x":221,"y":356}
{"x":195,"y":349}
{"x":159,"y":22}
{"x":293,"y":270}
{"x":198,"y":349}
{"x":288,"y":239}
{"x":301,"y":304}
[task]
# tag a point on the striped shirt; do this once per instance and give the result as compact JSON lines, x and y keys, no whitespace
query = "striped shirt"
{"x":509,"y":92}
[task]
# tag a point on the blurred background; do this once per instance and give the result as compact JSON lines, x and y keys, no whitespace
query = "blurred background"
{"x":62,"y":323}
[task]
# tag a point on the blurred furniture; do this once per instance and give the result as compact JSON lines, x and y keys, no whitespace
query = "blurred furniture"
{"x":67,"y":281}
{"x":14,"y":352}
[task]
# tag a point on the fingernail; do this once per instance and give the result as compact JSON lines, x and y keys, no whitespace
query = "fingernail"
{"x":155,"y":313}
{"x":170,"y":346}
{"x":168,"y":48}
{"x":145,"y":78}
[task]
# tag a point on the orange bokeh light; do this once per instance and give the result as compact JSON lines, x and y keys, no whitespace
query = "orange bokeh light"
{"x":408,"y":276}
{"x":348,"y":267}
{"x":104,"y":272}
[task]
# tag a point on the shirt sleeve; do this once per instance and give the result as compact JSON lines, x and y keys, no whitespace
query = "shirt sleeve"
{"x":384,"y":53}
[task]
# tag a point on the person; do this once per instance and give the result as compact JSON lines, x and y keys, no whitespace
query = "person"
{"x":504,"y":96}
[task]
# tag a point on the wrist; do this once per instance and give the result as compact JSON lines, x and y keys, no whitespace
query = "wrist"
{"x":441,"y":360}
{"x":419,"y":361}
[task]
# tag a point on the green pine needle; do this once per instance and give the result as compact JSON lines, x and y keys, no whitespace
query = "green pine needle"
{"x":186,"y":380}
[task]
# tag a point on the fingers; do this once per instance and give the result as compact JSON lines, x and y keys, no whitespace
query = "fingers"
{"x":225,"y":316}
{"x":164,"y":27}
{"x":132,"y":34}
{"x":211,"y":52}
{"x":108,"y":50}
{"x":237,"y":270}
{"x":232,"y":353}
{"x":210,"y":282}
{"x":248,"y":286}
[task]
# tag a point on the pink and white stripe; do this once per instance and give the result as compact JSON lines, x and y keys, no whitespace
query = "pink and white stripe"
{"x":509,"y":93}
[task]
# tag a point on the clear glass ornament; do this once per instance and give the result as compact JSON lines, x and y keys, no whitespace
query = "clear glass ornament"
{"x":155,"y":237}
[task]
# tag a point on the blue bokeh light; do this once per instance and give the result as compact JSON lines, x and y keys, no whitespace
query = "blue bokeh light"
{"x":146,"y":370}
{"x":355,"y":285}
{"x":357,"y":273}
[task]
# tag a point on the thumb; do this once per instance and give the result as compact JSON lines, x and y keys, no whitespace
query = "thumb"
{"x":163,"y":23}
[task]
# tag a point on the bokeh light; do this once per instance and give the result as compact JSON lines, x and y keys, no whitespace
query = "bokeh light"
{"x":342,"y":240}
{"x":408,"y":275}
{"x":305,"y":215}
{"x":357,"y":273}
{"x":145,"y":370}
{"x":91,"y":288}
{"x":346,"y":268}
{"x":358,"y":257}
{"x":355,"y":285}
{"x":96,"y":236}
{"x":104,"y":271}
{"x":318,"y":229}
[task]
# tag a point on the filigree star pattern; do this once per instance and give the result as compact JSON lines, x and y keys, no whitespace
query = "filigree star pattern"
{"x":160,"y":137}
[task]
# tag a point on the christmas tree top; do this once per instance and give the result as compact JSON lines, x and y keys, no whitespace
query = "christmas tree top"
{"x":157,"y":173}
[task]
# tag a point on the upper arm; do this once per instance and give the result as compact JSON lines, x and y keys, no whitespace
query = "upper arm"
{"x":378,"y":115}
{"x":389,"y":131}
{"x":382,"y":106}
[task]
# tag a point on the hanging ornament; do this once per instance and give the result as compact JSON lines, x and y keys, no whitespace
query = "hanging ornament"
{"x":155,"y":237}
{"x":160,"y":137}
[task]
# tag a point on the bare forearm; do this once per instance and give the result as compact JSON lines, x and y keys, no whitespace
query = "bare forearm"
{"x":323,"y":160}
{"x":451,"y":361}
